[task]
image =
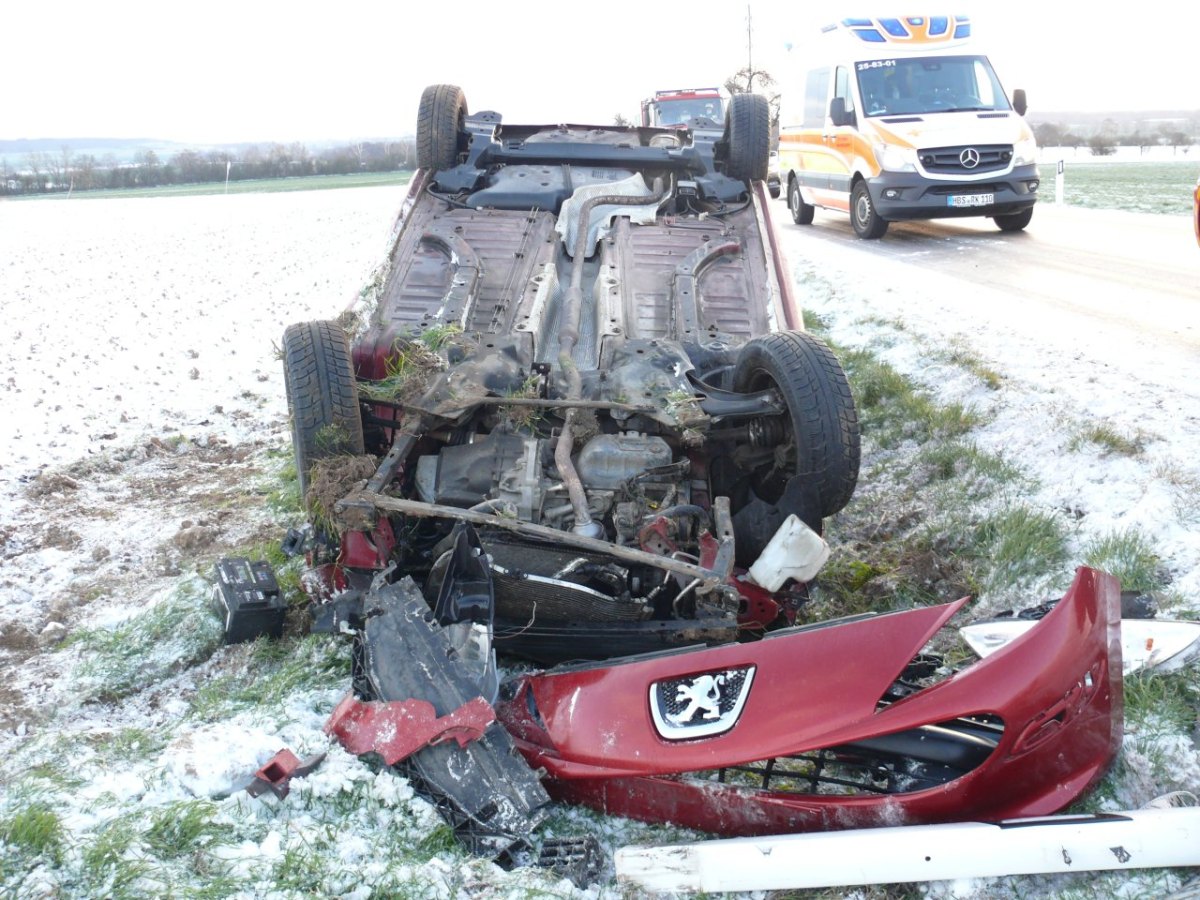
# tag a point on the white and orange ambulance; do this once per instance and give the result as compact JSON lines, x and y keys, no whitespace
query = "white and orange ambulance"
{"x":897,"y":118}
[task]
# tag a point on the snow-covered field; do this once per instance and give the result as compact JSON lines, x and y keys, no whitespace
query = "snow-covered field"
{"x":144,"y":421}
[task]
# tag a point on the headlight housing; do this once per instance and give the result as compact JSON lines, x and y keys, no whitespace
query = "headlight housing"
{"x":896,"y":159}
{"x":1025,"y":152}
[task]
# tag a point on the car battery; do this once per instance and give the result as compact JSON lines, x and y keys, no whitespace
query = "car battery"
{"x":248,"y":597}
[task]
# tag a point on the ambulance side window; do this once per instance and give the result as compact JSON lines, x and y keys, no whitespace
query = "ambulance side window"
{"x":841,"y":87}
{"x":816,"y":98}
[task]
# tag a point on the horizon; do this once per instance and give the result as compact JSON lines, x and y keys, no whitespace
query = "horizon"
{"x":267,"y":74}
{"x":1033,"y":116}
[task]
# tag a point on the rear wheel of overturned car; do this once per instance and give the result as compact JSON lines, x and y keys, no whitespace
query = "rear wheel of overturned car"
{"x":748,"y":137}
{"x":321,"y":395}
{"x":440,"y":119}
{"x":818,"y":436}
{"x":1014,"y":221}
{"x":802,"y":213}
{"x":867,"y":223}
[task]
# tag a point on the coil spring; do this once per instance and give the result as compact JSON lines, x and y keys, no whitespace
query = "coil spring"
{"x":767,"y":432}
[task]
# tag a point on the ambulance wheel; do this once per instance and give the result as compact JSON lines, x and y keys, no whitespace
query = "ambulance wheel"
{"x":867,"y":223}
{"x":802,"y":213}
{"x":1014,"y":221}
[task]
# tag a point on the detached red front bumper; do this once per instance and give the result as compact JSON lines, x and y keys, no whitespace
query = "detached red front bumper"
{"x":668,"y":737}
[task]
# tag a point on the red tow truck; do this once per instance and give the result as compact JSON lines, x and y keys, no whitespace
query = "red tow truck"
{"x":680,"y":106}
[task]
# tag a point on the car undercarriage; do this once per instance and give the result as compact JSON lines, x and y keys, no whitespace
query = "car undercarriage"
{"x":578,"y":423}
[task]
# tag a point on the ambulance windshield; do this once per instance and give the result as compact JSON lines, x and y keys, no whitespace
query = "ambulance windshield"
{"x":931,"y":84}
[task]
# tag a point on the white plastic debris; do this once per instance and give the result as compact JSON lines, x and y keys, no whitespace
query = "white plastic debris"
{"x":1161,"y":644}
{"x":795,"y":551}
{"x":1145,"y":838}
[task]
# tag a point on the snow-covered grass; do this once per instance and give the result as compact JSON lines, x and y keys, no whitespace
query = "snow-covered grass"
{"x":994,"y":465}
{"x":148,"y":437}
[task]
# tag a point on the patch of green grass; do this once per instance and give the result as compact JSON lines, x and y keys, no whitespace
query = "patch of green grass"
{"x":281,"y":486}
{"x":885,"y":557}
{"x":178,"y":631}
{"x":274,"y":671}
{"x":410,"y":365}
{"x":331,"y":439}
{"x":436,"y":336}
{"x":1108,"y":438}
{"x":1163,"y":700}
{"x":439,"y":840}
{"x":181,"y":828}
{"x":1185,"y":489}
{"x":107,"y":859}
{"x":1156,"y":187}
{"x":301,"y":869}
{"x":1019,"y":542}
{"x":816,"y":323}
{"x":893,"y":409}
{"x":213,"y":885}
{"x":523,"y":418}
{"x":976,"y":473}
{"x":35,"y":830}
{"x":1129,"y":555}
{"x":55,"y":774}
{"x":959,"y":354}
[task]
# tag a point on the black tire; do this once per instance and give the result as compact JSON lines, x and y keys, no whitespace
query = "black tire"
{"x":748,"y":137}
{"x":867,"y":223}
{"x":440,"y":119}
{"x":821,"y":423}
{"x":1014,"y":221}
{"x":773,"y":189}
{"x":321,"y":395}
{"x":802,"y":213}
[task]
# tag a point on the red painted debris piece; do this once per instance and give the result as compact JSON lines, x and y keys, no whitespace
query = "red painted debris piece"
{"x":279,"y":770}
{"x":398,"y":729}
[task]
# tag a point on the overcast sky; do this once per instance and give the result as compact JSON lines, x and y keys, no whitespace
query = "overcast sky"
{"x":222,"y":71}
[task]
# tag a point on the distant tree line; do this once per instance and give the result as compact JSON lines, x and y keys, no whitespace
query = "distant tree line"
{"x":1104,"y":140}
{"x":64,"y":171}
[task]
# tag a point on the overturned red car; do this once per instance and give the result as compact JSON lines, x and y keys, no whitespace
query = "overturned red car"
{"x":580,"y":423}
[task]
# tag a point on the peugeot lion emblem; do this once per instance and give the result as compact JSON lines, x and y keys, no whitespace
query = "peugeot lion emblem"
{"x":969,"y":158}
{"x":699,"y":705}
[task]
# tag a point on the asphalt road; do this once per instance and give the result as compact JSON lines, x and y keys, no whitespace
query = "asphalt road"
{"x":1118,"y":287}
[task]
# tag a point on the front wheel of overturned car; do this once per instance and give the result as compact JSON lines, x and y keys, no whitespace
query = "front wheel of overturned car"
{"x":321,"y":395}
{"x":1014,"y":221}
{"x":818,"y":436}
{"x":867,"y":222}
{"x":748,"y":137}
{"x":440,"y":119}
{"x":802,"y":213}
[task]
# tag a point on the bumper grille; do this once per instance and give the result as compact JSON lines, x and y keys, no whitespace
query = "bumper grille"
{"x":966,"y":159}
